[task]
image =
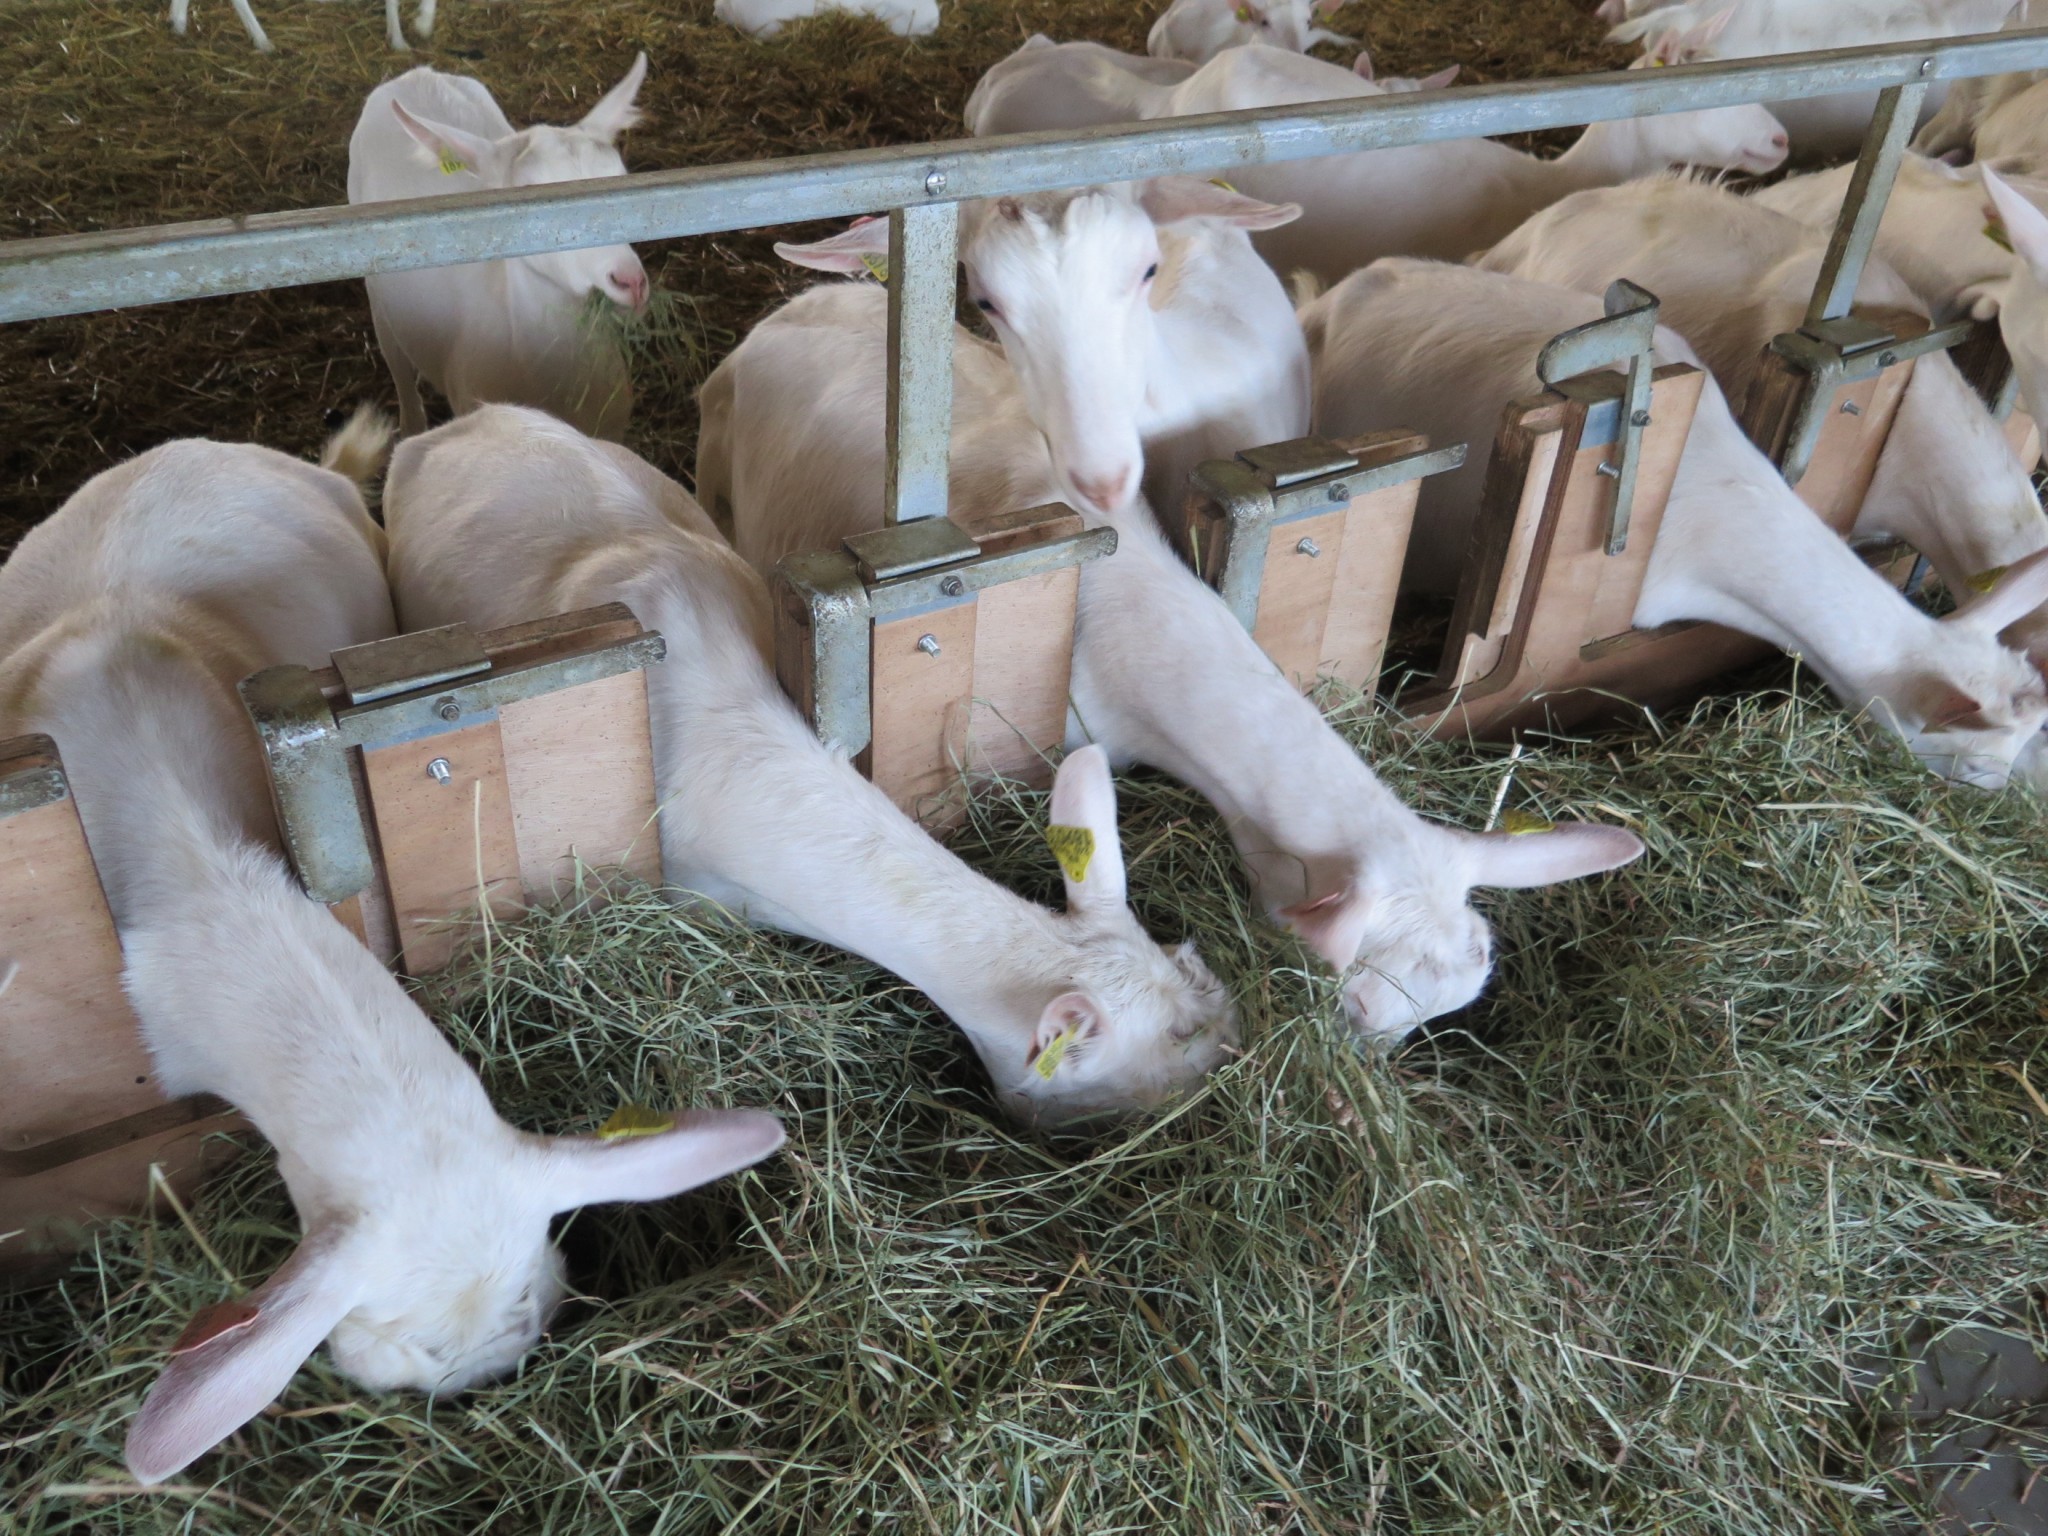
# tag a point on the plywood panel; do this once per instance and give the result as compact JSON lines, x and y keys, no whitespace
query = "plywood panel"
{"x":1023,"y":664}
{"x":1368,"y":580}
{"x":1295,"y":592}
{"x":580,"y":767}
{"x":443,"y":843}
{"x":922,"y":705}
{"x":1845,"y":459}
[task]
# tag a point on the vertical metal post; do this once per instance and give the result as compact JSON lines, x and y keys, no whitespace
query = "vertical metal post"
{"x":923,"y":242}
{"x":1870,"y":188}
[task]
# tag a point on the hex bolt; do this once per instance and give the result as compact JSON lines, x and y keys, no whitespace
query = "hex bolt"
{"x":448,"y":709}
{"x":1340,"y":492}
{"x":929,"y":644}
{"x":935,"y":183}
{"x":1886,"y":359}
{"x":1640,"y":419}
{"x":1611,"y":471}
{"x":439,"y":771}
{"x":1308,"y":547}
{"x":1851,"y":408}
{"x":952,"y":586}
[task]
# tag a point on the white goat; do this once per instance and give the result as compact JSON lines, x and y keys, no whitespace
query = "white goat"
{"x":1163,"y":673}
{"x":1444,"y":199}
{"x":508,"y":513}
{"x":1970,"y":104}
{"x":422,"y":23}
{"x":129,"y":617}
{"x":1198,"y":30}
{"x":1821,"y":126}
{"x":1395,"y":85}
{"x":512,"y":330}
{"x":1732,"y":274}
{"x":1968,"y":242}
{"x":1145,"y":331}
{"x":1443,"y":348}
{"x":765,"y":18}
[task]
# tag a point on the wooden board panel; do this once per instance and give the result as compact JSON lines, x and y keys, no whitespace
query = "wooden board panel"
{"x":1521,"y":479}
{"x":1845,"y":459}
{"x":1023,"y":664}
{"x":70,"y":1053}
{"x":579,"y":764}
{"x":1295,"y":593}
{"x":1376,"y":530}
{"x":443,"y":842}
{"x":922,"y":707}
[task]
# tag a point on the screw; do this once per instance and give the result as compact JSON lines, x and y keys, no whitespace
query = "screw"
{"x":935,"y":183}
{"x":952,"y":586}
{"x":929,"y":644}
{"x":1340,"y":492}
{"x":1640,"y":419}
{"x":1851,"y":408}
{"x":1927,"y":66}
{"x":1611,"y":471}
{"x":1886,"y":359}
{"x":448,"y":709}
{"x":1308,"y":547}
{"x":439,"y":771}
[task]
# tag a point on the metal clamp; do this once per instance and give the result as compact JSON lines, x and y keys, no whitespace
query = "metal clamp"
{"x":307,"y":737}
{"x":1832,"y":353}
{"x":1625,"y":336}
{"x":1265,"y":487}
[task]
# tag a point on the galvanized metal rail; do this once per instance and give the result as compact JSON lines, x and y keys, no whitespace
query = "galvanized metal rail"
{"x":920,"y":185}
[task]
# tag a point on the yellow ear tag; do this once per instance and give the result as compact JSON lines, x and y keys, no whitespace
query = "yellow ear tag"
{"x":635,"y":1120}
{"x":1521,"y":823}
{"x":1218,"y":181}
{"x":1242,"y":13}
{"x":1984,"y":581}
{"x":1994,"y":231}
{"x":1655,"y":62}
{"x":450,"y":165}
{"x":1073,"y":847}
{"x":1048,"y":1060}
{"x":878,"y":266}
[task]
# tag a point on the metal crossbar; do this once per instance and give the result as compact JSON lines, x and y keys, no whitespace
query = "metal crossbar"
{"x":921,"y":185}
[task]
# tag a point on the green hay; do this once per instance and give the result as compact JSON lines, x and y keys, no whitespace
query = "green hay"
{"x":1590,"y":1259}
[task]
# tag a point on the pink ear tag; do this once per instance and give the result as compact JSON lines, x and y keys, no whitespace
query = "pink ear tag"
{"x":214,"y":1322}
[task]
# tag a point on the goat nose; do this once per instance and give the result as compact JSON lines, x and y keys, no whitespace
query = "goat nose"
{"x":632,"y":281}
{"x":1104,"y":493}
{"x":1781,"y":143}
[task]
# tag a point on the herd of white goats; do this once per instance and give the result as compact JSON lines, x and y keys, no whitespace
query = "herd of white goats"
{"x":1139,"y":329}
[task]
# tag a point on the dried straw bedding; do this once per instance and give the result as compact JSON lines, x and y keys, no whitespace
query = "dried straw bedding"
{"x":1593,"y":1257}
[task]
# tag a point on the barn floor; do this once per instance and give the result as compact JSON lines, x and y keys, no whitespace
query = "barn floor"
{"x":1610,"y":1253}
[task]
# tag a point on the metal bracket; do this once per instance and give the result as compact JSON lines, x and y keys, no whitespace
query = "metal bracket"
{"x":889,"y":574}
{"x":1625,"y":336}
{"x":40,"y":783}
{"x":307,"y":736}
{"x":1836,"y":352}
{"x":918,"y":415}
{"x":1265,"y":487}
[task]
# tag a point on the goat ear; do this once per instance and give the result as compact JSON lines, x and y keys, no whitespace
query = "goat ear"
{"x":847,"y":251}
{"x":1440,"y":79}
{"x":1362,"y":65}
{"x":1515,"y":860}
{"x":1706,"y":34}
{"x":1328,"y":7}
{"x":1333,"y":925}
{"x":236,"y":1357}
{"x":1069,"y":1019}
{"x":2026,"y":227}
{"x":1083,"y":833}
{"x":700,"y":1146}
{"x":455,"y":148}
{"x":1169,"y":199}
{"x":2017,"y":593}
{"x":615,"y":112}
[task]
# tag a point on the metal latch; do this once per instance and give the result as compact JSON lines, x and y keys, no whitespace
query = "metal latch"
{"x":1626,"y":335}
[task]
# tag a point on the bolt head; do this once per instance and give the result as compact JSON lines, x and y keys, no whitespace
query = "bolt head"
{"x":952,"y":586}
{"x":929,"y":644}
{"x":1308,"y":547}
{"x":1340,"y":492}
{"x":1886,"y":359}
{"x":448,"y":709}
{"x":439,"y":771}
{"x":1927,"y":66}
{"x":935,"y":183}
{"x":1640,"y":419}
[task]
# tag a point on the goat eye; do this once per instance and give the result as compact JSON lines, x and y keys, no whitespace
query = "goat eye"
{"x":984,"y":306}
{"x":1150,"y":273}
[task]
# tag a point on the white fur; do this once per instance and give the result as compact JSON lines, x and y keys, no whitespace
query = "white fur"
{"x":1047,"y":85}
{"x":1145,"y":331}
{"x":125,"y":622}
{"x":1822,"y":126}
{"x":508,"y":513}
{"x":1936,"y":235}
{"x":508,"y":330}
{"x":792,"y":438}
{"x":422,"y":23}
{"x":1732,"y":274}
{"x":1443,"y":199}
{"x":1198,"y":30}
{"x":765,"y":18}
